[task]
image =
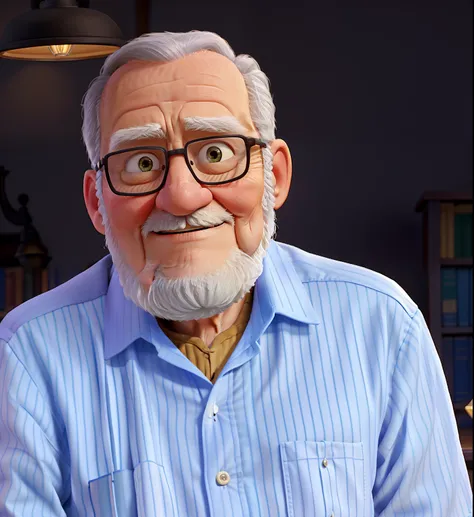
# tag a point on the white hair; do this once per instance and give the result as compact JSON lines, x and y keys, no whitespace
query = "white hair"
{"x":177,"y":303}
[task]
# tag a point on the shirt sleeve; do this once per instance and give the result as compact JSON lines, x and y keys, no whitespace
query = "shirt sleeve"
{"x":33,"y":469}
{"x":420,"y":466}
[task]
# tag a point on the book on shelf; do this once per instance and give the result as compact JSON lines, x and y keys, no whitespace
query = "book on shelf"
{"x":463,"y":230}
{"x":456,"y":296}
{"x":462,"y":296}
{"x":456,"y":230}
{"x":470,"y":294}
{"x":457,"y":365}
{"x":462,"y":366}
{"x":456,"y":282}
{"x":449,"y":304}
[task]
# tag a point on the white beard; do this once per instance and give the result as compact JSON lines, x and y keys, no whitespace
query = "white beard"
{"x":197,"y":297}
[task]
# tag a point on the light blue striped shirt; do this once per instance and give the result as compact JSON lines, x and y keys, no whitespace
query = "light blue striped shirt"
{"x":333,"y":403}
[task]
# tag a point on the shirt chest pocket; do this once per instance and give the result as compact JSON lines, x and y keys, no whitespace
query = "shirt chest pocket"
{"x":141,"y":492}
{"x":324,"y":479}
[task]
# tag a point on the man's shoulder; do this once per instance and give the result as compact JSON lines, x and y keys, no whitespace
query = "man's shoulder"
{"x":312,"y":268}
{"x":84,"y":287}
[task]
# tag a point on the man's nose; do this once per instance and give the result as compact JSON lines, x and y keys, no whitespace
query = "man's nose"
{"x":182,"y":194}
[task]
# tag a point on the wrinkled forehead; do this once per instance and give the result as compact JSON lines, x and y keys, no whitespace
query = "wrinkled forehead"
{"x":201,"y":78}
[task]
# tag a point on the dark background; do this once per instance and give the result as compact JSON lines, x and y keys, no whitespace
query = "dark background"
{"x":374,"y":101}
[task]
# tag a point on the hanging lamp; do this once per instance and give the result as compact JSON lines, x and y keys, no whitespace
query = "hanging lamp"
{"x":60,"y":30}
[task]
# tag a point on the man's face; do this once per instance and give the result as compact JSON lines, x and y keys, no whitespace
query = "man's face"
{"x":204,"y":85}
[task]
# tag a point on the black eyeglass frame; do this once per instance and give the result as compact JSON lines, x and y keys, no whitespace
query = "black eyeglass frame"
{"x":249,"y":143}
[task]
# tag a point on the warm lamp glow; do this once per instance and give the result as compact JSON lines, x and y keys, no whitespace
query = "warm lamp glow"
{"x":468,"y":409}
{"x":60,"y":50}
{"x":60,"y":30}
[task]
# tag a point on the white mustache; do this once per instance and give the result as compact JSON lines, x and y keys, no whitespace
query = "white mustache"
{"x":203,"y":217}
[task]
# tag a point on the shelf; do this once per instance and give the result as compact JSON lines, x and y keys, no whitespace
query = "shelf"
{"x":442,"y":197}
{"x":430,"y":205}
{"x":456,"y":331}
{"x":456,"y":261}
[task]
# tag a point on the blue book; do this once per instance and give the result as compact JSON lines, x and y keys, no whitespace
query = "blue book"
{"x":448,"y":297}
{"x":469,"y":297}
{"x":462,"y":296}
{"x":462,"y":366}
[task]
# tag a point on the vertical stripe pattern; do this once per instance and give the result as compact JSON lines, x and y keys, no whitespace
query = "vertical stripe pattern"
{"x":333,"y":403}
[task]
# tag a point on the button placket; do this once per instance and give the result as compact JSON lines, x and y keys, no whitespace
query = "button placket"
{"x":220,"y":463}
{"x":213,"y":410}
{"x":325,"y":464}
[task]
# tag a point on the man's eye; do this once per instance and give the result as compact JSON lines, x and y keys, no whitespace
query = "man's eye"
{"x":143,"y":163}
{"x":215,"y":153}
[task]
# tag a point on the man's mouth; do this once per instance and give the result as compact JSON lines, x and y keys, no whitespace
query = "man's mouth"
{"x":188,"y":229}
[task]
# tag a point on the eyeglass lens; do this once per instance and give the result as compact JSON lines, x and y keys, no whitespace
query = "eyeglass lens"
{"x":212,"y":161}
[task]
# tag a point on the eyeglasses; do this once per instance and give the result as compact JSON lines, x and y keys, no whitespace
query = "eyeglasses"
{"x":143,"y":170}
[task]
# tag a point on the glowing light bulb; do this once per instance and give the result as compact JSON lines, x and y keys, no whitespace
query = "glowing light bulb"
{"x":60,"y":50}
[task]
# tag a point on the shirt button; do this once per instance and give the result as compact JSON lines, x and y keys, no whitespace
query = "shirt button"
{"x":325,"y":463}
{"x":213,"y":410}
{"x":222,"y":478}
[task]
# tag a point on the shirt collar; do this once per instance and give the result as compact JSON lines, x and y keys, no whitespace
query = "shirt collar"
{"x":125,"y":322}
{"x":278,"y":290}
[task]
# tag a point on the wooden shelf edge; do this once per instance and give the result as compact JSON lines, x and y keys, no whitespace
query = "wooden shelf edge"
{"x":460,"y":261}
{"x":441,"y":196}
{"x":461,"y":406}
{"x":456,"y":331}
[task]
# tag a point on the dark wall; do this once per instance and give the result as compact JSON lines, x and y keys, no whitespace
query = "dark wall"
{"x":374,"y":102}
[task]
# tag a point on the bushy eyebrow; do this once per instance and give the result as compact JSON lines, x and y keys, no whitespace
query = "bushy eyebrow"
{"x":152,"y":130}
{"x":227,"y":124}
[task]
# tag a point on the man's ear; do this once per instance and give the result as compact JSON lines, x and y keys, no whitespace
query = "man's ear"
{"x":282,"y":171}
{"x":92,"y":201}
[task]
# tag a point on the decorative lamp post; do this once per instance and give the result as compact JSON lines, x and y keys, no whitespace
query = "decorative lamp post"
{"x":32,"y":254}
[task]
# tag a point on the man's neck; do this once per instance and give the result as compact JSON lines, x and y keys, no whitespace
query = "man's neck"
{"x":208,"y":328}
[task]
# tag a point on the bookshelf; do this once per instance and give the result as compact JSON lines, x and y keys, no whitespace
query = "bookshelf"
{"x":448,"y":264}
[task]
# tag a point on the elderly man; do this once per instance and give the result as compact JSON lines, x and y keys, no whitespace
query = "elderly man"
{"x":203,"y":369}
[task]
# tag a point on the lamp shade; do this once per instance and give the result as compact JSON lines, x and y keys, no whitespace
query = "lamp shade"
{"x":64,"y":30}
